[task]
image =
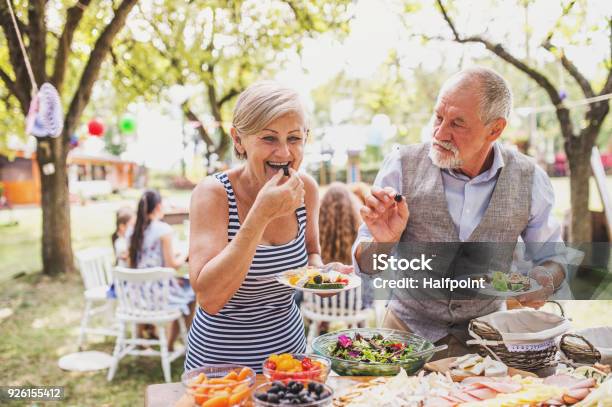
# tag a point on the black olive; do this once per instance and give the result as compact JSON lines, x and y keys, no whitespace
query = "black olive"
{"x":311,"y":386}
{"x":281,"y":394}
{"x":319,"y":388}
{"x":291,"y":383}
{"x":299,"y":387}
{"x":280,"y":385}
{"x":272,"y":398}
{"x":317,"y":279}
{"x":261,"y":396}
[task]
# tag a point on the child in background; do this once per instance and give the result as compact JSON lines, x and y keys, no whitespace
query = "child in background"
{"x":125,"y":220}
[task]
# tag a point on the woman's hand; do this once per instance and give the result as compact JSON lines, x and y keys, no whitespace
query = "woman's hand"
{"x":385,"y":218}
{"x":278,"y":198}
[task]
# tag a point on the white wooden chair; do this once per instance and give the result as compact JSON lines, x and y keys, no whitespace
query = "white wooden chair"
{"x":143,"y":298}
{"x":96,"y":267}
{"x":343,"y":307}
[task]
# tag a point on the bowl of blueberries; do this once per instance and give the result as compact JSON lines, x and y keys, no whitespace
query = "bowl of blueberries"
{"x":301,"y":393}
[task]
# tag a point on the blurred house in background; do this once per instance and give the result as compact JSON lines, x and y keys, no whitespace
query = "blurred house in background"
{"x":88,"y":175}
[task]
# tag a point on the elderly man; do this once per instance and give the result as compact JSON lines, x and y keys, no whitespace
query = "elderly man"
{"x":461,"y":187}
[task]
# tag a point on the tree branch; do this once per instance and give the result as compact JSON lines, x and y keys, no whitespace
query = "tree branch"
{"x":448,"y":20}
{"x":561,"y":111}
{"x":568,"y":7}
{"x":5,"y":18}
{"x":230,"y":94}
{"x":92,"y":68}
{"x":37,"y":29}
{"x":22,"y":81}
{"x":501,"y":52}
{"x":584,"y":84}
{"x":73,"y":18}
{"x":10,"y":84}
{"x":608,"y":85}
{"x":201,"y":130}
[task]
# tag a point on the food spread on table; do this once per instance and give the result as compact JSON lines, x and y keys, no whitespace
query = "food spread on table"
{"x":439,"y":390}
{"x":471,"y":380}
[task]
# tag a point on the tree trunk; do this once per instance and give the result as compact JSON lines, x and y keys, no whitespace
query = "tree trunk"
{"x":580,"y":172}
{"x":56,"y":243}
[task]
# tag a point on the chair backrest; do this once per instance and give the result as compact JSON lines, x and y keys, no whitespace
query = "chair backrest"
{"x":143,"y":292}
{"x":96,"y":266}
{"x":344,"y":304}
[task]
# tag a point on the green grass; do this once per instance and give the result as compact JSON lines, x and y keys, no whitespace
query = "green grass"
{"x":44,"y":327}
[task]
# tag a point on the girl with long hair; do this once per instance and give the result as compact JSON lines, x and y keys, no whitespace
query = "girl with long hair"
{"x":339,"y":221}
{"x":151,"y":246}
{"x":124,"y":221}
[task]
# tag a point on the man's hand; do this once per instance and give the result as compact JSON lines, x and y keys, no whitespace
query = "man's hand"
{"x":538,"y":298}
{"x":385,"y":218}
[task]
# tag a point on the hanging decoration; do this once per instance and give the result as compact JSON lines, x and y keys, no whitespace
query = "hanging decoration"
{"x":95,"y":127}
{"x":45,"y":117}
{"x":127,"y":125}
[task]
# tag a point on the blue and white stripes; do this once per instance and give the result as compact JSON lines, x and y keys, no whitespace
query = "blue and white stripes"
{"x":262,"y":317}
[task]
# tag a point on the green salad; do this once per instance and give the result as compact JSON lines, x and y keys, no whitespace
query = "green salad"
{"x":376,"y":349}
{"x":510,"y":282}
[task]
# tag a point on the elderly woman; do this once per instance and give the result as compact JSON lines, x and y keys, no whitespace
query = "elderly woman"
{"x":248,"y":224}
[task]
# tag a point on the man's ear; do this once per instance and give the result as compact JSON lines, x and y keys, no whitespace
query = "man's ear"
{"x":496,"y":128}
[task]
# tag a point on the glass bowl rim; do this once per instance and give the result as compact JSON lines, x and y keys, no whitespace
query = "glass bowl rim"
{"x":422,"y":353}
{"x":250,"y":379}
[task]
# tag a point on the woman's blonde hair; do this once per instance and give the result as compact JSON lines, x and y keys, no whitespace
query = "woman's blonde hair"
{"x":262,"y":103}
{"x":338,"y":223}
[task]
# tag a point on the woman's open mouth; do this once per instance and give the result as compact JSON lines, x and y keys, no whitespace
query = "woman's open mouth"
{"x":279,"y":165}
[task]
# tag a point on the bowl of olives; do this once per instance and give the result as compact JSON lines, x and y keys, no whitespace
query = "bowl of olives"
{"x":301,"y":393}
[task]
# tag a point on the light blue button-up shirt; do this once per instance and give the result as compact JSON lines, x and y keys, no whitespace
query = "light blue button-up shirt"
{"x":468,"y":199}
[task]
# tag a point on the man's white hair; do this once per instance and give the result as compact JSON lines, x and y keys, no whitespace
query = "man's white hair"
{"x":493,"y":90}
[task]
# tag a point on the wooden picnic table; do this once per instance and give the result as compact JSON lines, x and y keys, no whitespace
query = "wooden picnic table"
{"x":173,"y":394}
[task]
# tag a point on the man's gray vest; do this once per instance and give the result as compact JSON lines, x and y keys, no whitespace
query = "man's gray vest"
{"x":430,"y":221}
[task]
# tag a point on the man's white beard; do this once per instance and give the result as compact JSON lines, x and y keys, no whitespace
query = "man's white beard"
{"x":443,"y":160}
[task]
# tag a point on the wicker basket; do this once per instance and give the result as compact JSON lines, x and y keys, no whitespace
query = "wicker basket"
{"x":526,"y":360}
{"x":579,"y":350}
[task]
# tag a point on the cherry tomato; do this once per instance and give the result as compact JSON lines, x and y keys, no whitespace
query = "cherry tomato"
{"x":307,"y":364}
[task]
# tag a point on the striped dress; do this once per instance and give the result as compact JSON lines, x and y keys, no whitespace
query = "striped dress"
{"x":262,"y":317}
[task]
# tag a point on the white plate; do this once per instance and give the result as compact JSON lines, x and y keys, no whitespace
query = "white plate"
{"x":489,"y":290}
{"x":354,"y":282}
